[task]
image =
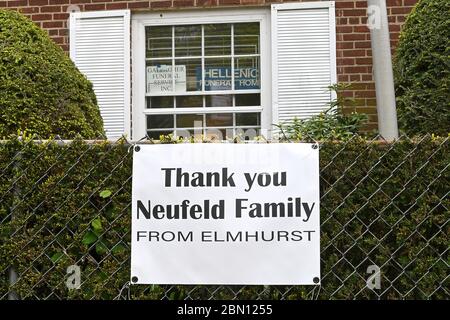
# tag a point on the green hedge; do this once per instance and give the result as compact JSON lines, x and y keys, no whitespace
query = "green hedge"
{"x":422,"y":69}
{"x":42,"y":92}
{"x":384,"y":204}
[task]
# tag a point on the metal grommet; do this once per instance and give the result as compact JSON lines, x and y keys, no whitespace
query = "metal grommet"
{"x":137,"y":148}
{"x":315,"y":146}
{"x":316,"y":280}
{"x":134,"y":279}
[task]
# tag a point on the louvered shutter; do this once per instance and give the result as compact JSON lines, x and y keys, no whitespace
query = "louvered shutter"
{"x":100,"y":48}
{"x":304,"y":59}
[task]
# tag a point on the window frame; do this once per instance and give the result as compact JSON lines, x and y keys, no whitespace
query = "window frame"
{"x":210,"y":16}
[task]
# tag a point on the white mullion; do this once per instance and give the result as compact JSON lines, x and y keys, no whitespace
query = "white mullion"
{"x":201,"y":110}
{"x":232,"y":57}
{"x":248,"y":55}
{"x":232,"y":79}
{"x":198,"y":93}
{"x":217,"y":127}
{"x":175,"y":124}
{"x":212,"y":57}
{"x":173,"y":59}
{"x":203,"y":59}
{"x":204,"y":123}
{"x":234,"y":124}
{"x":203,"y":66}
{"x":174,"y":99}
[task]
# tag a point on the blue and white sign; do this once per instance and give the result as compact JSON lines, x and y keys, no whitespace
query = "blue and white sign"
{"x":219,"y":78}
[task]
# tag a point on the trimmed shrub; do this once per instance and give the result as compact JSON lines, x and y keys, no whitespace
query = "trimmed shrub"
{"x":422,"y":69}
{"x":42,"y":92}
{"x":383,"y":204}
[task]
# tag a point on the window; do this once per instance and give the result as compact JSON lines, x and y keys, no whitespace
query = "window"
{"x":202,"y":78}
{"x":193,"y":69}
{"x":229,"y":72}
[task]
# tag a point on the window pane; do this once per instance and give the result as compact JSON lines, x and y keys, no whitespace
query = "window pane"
{"x":246,"y":38}
{"x":246,"y":73}
{"x":160,"y":121}
{"x":189,"y":101}
{"x":245,"y":100}
{"x":187,"y":133}
{"x":219,"y":119}
{"x":217,"y":39}
{"x":188,"y":41}
{"x":189,"y":120}
{"x":159,"y":41}
{"x":248,"y":119}
{"x":218,"y":134}
{"x":192,"y":69}
{"x":248,"y":133}
{"x":155,"y":134}
{"x":160,"y":102}
{"x":217,"y":74}
{"x":219,"y":101}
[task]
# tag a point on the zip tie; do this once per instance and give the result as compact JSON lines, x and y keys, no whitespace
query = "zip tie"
{"x":132,"y":145}
{"x":125,"y":286}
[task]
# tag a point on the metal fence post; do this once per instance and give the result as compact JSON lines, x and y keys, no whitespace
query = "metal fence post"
{"x":12,"y":274}
{"x":382,"y":69}
{"x":12,"y":280}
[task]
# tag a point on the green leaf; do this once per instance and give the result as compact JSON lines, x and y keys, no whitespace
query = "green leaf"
{"x":89,"y":238}
{"x":105,"y":193}
{"x":118,"y":248}
{"x":101,"y":248}
{"x":97,"y":225}
{"x":56,"y":257}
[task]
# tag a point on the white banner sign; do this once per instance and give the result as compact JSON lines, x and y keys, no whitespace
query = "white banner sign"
{"x":160,"y":79}
{"x":226,"y":214}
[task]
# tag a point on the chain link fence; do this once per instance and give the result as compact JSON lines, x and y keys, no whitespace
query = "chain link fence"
{"x":65,"y":223}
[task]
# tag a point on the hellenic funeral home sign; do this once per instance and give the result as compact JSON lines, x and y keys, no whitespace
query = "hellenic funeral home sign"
{"x":219,"y":78}
{"x":225,"y":214}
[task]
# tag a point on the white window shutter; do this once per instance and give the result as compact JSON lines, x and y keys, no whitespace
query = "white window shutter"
{"x":304,"y":59}
{"x":100,"y":48}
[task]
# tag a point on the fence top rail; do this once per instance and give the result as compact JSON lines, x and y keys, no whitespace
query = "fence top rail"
{"x":375,"y":140}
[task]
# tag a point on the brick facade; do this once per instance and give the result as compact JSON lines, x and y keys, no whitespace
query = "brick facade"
{"x":354,"y":62}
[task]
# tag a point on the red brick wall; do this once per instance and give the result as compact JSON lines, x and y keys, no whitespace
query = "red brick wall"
{"x":354,"y":62}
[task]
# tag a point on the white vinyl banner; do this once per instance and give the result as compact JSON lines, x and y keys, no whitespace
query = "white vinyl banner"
{"x":218,"y":213}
